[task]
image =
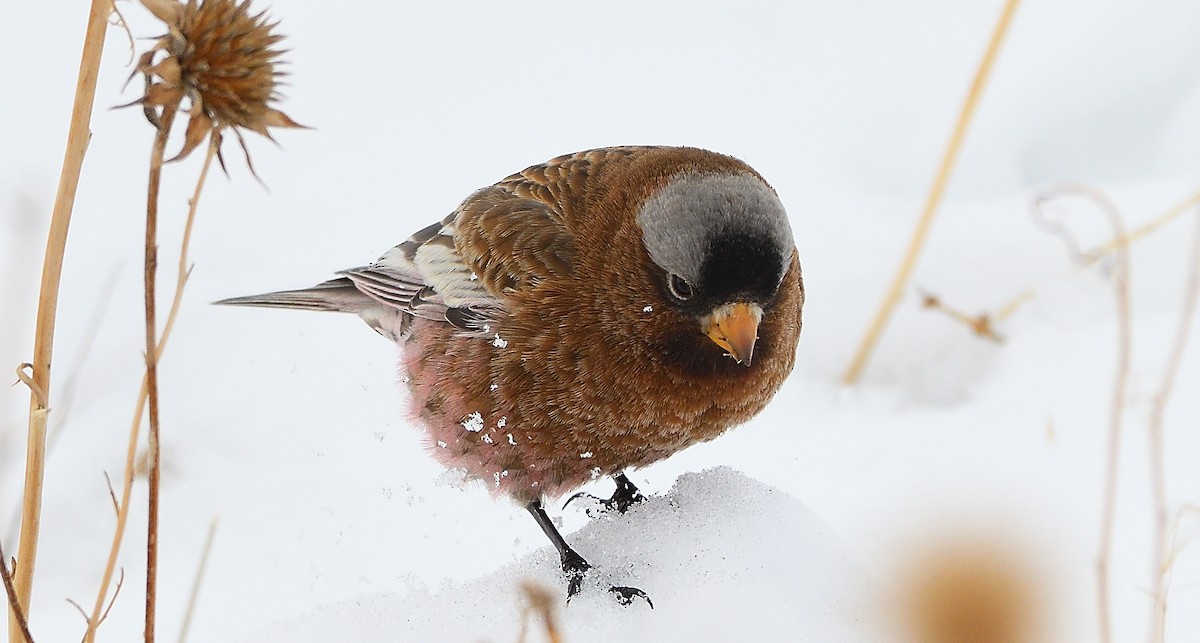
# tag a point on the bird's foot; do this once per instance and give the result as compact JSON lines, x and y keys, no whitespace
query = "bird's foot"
{"x":626,"y":595}
{"x":626,"y":496}
{"x":575,"y":567}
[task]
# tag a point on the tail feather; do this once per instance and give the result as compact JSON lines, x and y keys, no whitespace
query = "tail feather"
{"x":335,"y":295}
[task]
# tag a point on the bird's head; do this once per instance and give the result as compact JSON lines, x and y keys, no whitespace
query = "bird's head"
{"x":721,"y":245}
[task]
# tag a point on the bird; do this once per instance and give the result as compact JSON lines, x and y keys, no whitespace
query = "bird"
{"x":584,"y":317}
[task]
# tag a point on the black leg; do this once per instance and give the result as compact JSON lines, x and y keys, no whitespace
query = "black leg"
{"x":574,"y":565}
{"x":626,"y":496}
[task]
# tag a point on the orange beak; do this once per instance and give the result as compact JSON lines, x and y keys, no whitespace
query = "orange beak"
{"x":734,"y":327}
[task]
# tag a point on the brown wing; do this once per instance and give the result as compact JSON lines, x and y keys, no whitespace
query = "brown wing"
{"x":519,"y":231}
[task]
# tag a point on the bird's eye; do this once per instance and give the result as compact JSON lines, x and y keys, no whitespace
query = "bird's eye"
{"x":680,"y":288}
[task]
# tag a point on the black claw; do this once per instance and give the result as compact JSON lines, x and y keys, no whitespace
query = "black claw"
{"x":626,"y":496}
{"x":575,"y":567}
{"x":582,"y":494}
{"x":625,"y":595}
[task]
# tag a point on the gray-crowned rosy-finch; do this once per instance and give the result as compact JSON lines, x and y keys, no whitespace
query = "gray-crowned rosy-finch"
{"x":595,"y":313}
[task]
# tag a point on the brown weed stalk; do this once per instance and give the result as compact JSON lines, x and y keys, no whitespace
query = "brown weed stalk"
{"x":539,"y":601}
{"x":1188,"y":203}
{"x":149,"y":274}
{"x":15,"y":607}
{"x":981,"y":325}
{"x":198,"y":580}
{"x":1160,"y":563}
{"x":217,"y":64}
{"x":892,"y":297}
{"x":43,"y":348}
{"x":122,"y":506}
{"x":1120,"y":276}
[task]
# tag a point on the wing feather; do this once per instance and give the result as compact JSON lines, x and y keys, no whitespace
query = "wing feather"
{"x":503,"y":238}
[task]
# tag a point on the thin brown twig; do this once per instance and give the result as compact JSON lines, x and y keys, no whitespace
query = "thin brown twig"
{"x":89,"y":636}
{"x":949,"y":157}
{"x":1117,"y":409}
{"x":150,"y":278}
{"x":140,"y":406}
{"x":111,"y":602}
{"x":185,"y":269}
{"x":1158,"y":483}
{"x":981,"y":325}
{"x":124,"y":25}
{"x":13,"y":604}
{"x":1011,"y":307}
{"x":538,"y":600}
{"x":43,"y":348}
{"x":112,"y":494}
{"x":196,"y":582}
{"x":1099,"y":252}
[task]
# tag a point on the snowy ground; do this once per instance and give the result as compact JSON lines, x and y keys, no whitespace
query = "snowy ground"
{"x":288,"y":427}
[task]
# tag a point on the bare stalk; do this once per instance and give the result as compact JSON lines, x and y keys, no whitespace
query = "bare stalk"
{"x":538,"y":601}
{"x":1117,"y":409}
{"x":122,"y":517}
{"x":11,"y":592}
{"x":43,"y":348}
{"x":1145,"y":229}
{"x":1159,"y":561}
{"x":909,"y":262}
{"x":140,"y":407}
{"x":150,"y":273}
{"x":198,"y":580}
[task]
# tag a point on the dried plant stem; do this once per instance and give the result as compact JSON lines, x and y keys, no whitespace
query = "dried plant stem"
{"x":150,"y":273}
{"x":11,"y":592}
{"x":908,"y":263}
{"x":122,"y":517}
{"x":1192,"y":201}
{"x":1159,"y":561}
{"x":60,"y":220}
{"x":1117,"y":408}
{"x":539,"y":601}
{"x":196,"y":582}
{"x":140,"y":407}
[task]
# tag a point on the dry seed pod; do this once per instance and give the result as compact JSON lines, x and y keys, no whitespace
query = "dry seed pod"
{"x":223,"y":60}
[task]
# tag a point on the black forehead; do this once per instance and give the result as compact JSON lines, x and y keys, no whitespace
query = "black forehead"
{"x":741,"y":264}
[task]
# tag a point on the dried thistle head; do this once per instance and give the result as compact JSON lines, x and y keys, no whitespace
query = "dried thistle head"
{"x":973,"y":591}
{"x":223,"y":60}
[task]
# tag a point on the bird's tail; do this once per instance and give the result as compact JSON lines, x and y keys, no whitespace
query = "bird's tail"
{"x":335,"y":295}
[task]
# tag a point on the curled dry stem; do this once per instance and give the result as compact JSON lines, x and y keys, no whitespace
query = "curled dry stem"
{"x":1117,"y":408}
{"x":23,"y":374}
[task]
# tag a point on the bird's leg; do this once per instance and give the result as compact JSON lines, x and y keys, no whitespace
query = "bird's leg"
{"x":626,"y":496}
{"x":574,"y":565}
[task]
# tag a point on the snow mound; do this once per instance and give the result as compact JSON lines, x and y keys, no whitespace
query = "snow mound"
{"x":723,"y":556}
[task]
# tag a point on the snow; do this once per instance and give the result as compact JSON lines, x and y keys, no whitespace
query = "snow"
{"x":290,"y":427}
{"x":685,"y":548}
